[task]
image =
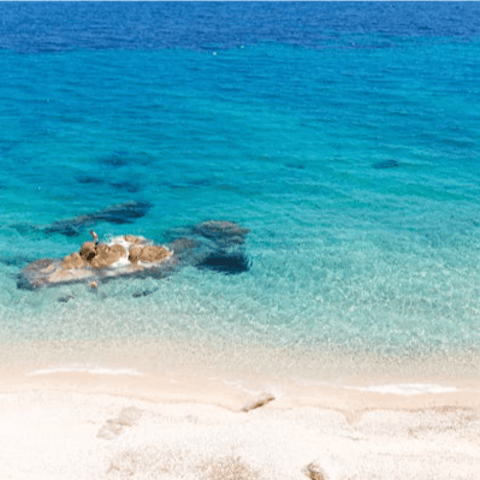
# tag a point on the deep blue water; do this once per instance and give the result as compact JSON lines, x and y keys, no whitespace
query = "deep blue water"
{"x":36,"y":27}
{"x":345,"y":136}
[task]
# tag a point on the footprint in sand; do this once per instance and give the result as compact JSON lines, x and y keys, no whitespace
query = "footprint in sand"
{"x":128,"y":417}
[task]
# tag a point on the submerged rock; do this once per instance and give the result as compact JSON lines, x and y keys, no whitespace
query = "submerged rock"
{"x":89,"y":179}
{"x":127,"y":185}
{"x":118,"y":214}
{"x":144,"y":293}
{"x":222,"y":232}
{"x":225,"y":262}
{"x":65,"y":299}
{"x":216,"y":245}
{"x":383,"y":165}
{"x":32,"y":275}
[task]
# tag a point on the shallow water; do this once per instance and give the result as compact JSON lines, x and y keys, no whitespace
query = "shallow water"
{"x":344,"y":136}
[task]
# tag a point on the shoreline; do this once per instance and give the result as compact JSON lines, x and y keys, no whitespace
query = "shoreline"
{"x":72,"y":411}
{"x":231,"y":375}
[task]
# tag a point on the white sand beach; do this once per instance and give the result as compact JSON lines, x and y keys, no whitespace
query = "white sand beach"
{"x":65,"y":435}
{"x":114,"y":421}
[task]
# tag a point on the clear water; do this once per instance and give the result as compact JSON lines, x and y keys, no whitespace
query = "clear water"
{"x":279,"y":116}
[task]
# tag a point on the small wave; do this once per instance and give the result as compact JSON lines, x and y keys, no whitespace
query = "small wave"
{"x":92,"y":369}
{"x":388,"y":389}
{"x":406,"y":389}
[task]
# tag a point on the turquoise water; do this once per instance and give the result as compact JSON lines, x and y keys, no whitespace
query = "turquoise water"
{"x":288,"y":139}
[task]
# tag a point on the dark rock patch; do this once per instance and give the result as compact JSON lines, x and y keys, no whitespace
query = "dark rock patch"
{"x":65,"y":299}
{"x":15,"y":261}
{"x":89,"y":179}
{"x":117,"y":159}
{"x":202,"y":182}
{"x":123,"y":212}
{"x":223,"y":233}
{"x":385,"y":164}
{"x":127,"y":185}
{"x":229,"y":263}
{"x":144,"y":293}
{"x":31,"y":276}
{"x":296,"y":166}
{"x":117,"y":214}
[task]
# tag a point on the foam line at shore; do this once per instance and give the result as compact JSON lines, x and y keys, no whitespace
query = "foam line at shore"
{"x":406,"y":389}
{"x":92,"y":369}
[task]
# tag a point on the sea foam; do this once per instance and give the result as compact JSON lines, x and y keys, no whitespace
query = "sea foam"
{"x":85,"y":368}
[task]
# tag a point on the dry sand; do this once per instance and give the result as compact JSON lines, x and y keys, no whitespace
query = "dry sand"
{"x":83,"y":421}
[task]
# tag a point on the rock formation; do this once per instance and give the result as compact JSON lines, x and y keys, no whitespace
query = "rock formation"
{"x":75,"y":260}
{"x":214,"y":245}
{"x":105,"y":255}
{"x":87,"y":251}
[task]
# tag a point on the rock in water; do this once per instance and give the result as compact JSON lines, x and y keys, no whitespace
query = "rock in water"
{"x":88,"y":251}
{"x":218,"y":247}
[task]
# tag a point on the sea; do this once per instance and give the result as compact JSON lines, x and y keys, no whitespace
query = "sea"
{"x":344,"y":136}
